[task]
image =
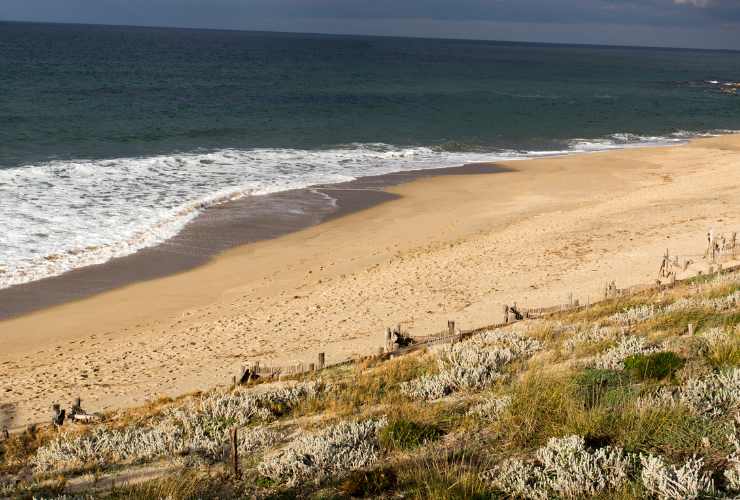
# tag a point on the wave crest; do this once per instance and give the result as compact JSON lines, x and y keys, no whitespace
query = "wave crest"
{"x":63,"y":215}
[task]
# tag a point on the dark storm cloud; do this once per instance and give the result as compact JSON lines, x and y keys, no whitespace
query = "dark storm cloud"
{"x":700,"y":23}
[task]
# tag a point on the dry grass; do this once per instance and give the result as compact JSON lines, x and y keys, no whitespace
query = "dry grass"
{"x":440,"y":449}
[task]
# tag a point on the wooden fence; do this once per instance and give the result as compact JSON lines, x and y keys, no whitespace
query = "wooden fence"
{"x":718,"y":252}
{"x":398,"y":344}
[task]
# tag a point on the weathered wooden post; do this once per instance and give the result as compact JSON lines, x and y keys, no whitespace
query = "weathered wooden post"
{"x":570,"y":299}
{"x":719,"y":268}
{"x":76,"y":408}
{"x":506,"y":313}
{"x":388,"y":340}
{"x":233,"y":381}
{"x":57,"y":415}
{"x":235,"y":451}
{"x":450,"y":328}
{"x":691,"y":329}
{"x":322,"y":360}
{"x":673,"y":279}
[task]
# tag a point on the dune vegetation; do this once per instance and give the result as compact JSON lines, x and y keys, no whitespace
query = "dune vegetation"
{"x":615,"y":400}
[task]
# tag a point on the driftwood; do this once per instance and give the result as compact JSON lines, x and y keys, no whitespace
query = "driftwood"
{"x":515,"y":311}
{"x":86,"y":418}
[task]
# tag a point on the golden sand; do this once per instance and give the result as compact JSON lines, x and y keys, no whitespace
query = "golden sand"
{"x":451,"y":247}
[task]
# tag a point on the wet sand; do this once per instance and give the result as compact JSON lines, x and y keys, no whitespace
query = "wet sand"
{"x":220,"y":228}
{"x":437,"y":248}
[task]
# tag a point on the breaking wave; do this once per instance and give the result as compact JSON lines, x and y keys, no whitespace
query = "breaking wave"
{"x":63,"y":215}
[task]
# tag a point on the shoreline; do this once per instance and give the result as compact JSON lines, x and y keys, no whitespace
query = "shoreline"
{"x":452,"y":247}
{"x":216,"y":230}
{"x":278,"y":210}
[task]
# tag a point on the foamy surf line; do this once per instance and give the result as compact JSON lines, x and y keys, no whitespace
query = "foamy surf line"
{"x":61,"y":216}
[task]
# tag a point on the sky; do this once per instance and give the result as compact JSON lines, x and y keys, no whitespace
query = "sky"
{"x":671,"y":23}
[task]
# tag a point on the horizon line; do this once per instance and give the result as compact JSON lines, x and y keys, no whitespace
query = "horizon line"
{"x":408,"y":37}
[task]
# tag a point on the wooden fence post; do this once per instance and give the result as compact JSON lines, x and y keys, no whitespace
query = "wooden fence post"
{"x":322,"y":360}
{"x":235,"y":451}
{"x":57,"y":414}
{"x":451,"y":328}
{"x":506,"y":313}
{"x":691,"y":329}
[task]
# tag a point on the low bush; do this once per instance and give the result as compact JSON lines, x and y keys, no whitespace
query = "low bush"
{"x":715,"y":395}
{"x":675,"y":482}
{"x":200,"y":428}
{"x":564,"y":468}
{"x":656,"y":366}
{"x":337,"y":450}
{"x":472,"y":365}
{"x":490,"y":409}
{"x":613,"y":359}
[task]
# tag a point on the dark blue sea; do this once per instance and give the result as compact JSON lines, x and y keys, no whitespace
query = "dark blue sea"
{"x":113,"y":138}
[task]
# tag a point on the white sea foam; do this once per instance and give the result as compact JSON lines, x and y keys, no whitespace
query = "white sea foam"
{"x":63,"y":215}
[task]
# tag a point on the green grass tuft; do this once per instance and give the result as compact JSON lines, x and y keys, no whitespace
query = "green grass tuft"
{"x":655,"y":366}
{"x":595,"y":386}
{"x":403,"y":434}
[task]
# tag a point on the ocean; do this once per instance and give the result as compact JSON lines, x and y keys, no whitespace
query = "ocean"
{"x":112,"y":139}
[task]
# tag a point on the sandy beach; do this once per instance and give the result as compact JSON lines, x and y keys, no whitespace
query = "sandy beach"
{"x":441,"y":247}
